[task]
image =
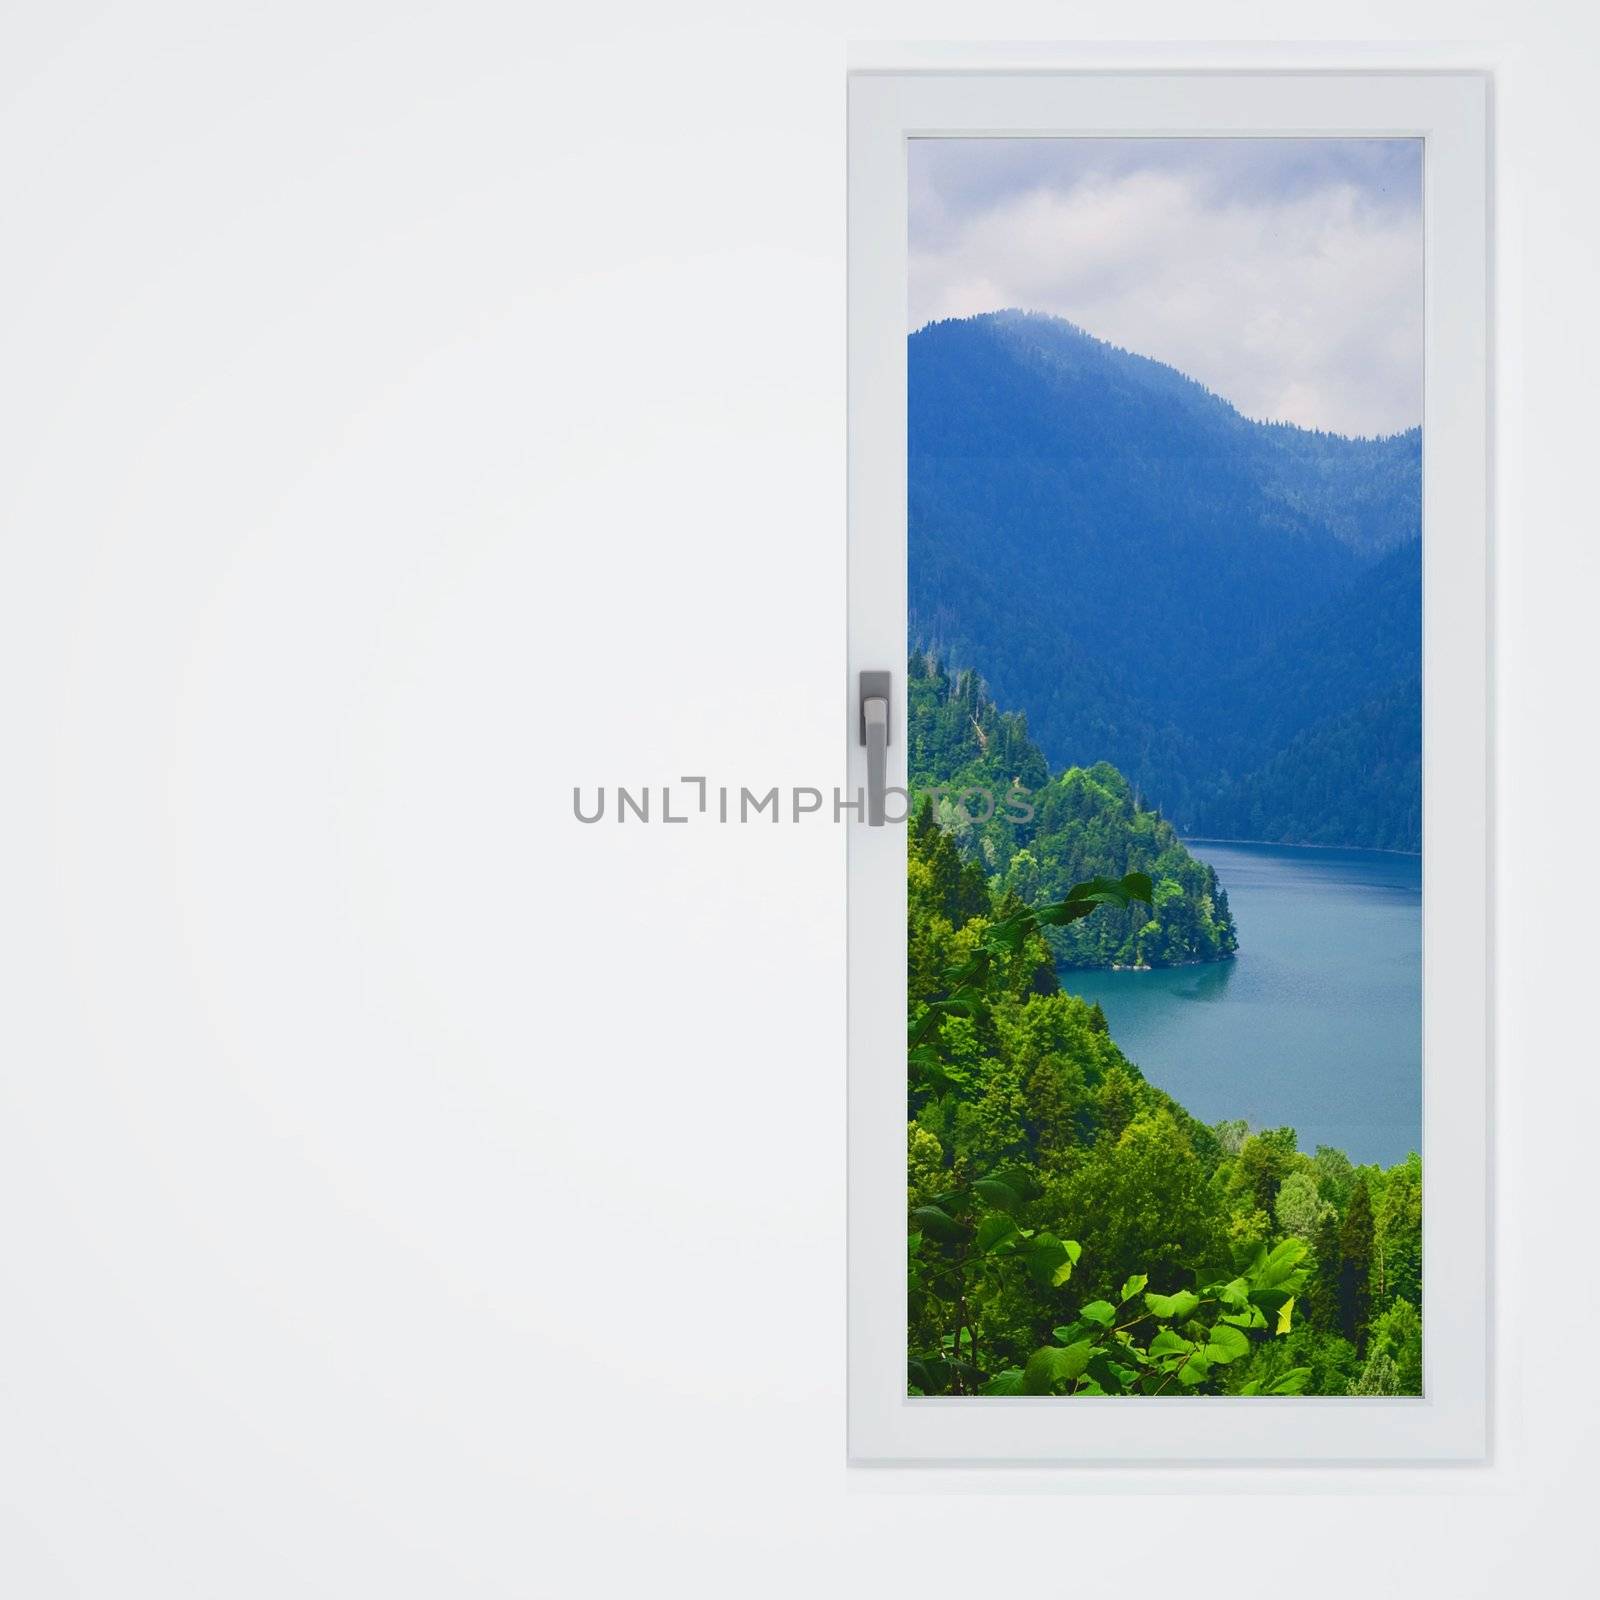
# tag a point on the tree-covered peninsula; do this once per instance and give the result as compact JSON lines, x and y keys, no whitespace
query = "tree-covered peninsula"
{"x":1046,"y":833}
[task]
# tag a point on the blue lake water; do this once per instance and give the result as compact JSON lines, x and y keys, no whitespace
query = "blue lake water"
{"x":1315,"y":1024}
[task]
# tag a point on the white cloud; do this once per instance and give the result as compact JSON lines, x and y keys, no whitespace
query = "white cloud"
{"x":1295,"y":293}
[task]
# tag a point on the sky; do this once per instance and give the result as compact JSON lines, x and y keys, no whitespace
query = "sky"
{"x":1285,"y":274}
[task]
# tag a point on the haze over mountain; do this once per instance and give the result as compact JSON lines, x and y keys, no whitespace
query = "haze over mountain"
{"x":1228,"y":611}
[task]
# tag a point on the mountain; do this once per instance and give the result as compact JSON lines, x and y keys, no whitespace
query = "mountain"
{"x":1337,"y":698}
{"x":1085,"y":823}
{"x":1226,"y":611}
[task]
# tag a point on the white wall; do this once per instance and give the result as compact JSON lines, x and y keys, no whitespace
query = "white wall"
{"x":413,"y":410}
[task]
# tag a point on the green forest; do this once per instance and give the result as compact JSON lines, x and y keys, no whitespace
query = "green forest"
{"x":975,"y":759}
{"x":1072,"y":1229}
{"x":1270,"y":684}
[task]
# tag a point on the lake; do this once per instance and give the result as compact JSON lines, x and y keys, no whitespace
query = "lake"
{"x":1315,"y":1024}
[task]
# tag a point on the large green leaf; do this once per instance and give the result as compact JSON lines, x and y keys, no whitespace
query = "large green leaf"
{"x":1292,"y":1382}
{"x":1101,"y":1311}
{"x":1173,"y":1307}
{"x":1051,"y":1260}
{"x":1023,"y":1182}
{"x":1250,"y":1317}
{"x":971,"y":972}
{"x":1065,"y":911}
{"x":1074,"y":1250}
{"x":996,"y":1231}
{"x":1042,"y":1259}
{"x":1114,"y":891}
{"x":1280,"y":1265}
{"x":1168,"y":1343}
{"x":937,"y":1224}
{"x":1269,"y":1301}
{"x":1052,"y":1364}
{"x":997,"y":1193}
{"x":1007,"y":1382}
{"x":1226,"y":1344}
{"x":1007,"y":937}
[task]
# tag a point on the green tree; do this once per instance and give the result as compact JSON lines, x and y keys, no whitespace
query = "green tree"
{"x":1116,"y":1102}
{"x":1355,"y":1265}
{"x":1397,"y":1244}
{"x":1263,"y":1162}
{"x":1394,"y":1353}
{"x":1144,"y":1201}
{"x":1335,"y":1175}
{"x":1379,"y":1376}
{"x":1299,"y":1207}
{"x":1232,"y":1135}
{"x":1322,"y":1299}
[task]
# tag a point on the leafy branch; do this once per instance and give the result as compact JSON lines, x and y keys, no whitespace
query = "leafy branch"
{"x":1195,"y":1332}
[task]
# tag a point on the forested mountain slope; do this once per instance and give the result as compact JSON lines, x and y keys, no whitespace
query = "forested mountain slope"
{"x":1085,"y":823}
{"x":1073,"y":1230}
{"x":1264,"y":580}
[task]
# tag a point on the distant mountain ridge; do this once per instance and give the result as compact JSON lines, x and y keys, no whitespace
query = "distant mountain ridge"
{"x":1227,"y":611}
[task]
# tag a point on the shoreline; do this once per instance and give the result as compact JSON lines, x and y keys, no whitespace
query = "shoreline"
{"x":1283,"y":844}
{"x":1168,"y":966}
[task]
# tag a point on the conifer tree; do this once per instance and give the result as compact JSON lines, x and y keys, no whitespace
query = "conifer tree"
{"x":1322,"y":1310}
{"x":1355,"y":1266}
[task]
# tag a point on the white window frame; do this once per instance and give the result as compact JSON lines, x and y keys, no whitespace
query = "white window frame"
{"x":1449,"y":110}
